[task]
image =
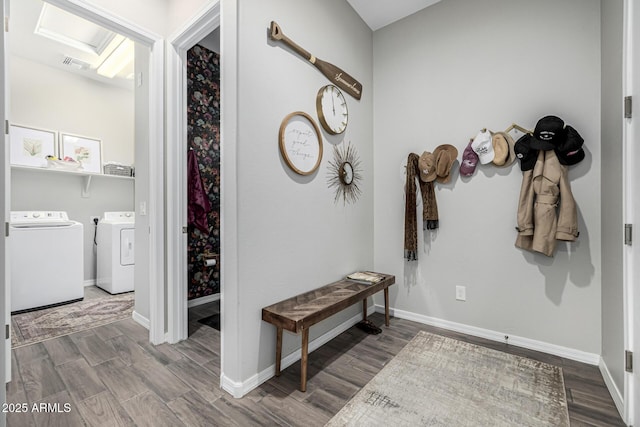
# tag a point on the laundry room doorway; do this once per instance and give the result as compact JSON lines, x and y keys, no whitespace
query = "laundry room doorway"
{"x":82,"y":152}
{"x":142,"y":194}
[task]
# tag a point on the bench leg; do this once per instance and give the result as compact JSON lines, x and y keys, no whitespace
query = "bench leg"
{"x":303,"y":360}
{"x":364,"y":309}
{"x":278,"y":349}
{"x":386,"y":306}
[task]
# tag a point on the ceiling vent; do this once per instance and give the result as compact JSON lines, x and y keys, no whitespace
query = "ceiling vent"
{"x":75,"y":63}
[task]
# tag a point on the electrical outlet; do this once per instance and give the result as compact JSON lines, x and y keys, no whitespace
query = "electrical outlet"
{"x":94,"y":219}
{"x":461,"y":293}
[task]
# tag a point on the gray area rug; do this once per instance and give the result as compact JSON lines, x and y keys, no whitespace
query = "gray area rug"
{"x":439,"y":381}
{"x":41,"y":325}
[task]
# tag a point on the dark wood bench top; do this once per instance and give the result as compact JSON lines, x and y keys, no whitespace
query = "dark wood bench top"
{"x":304,"y":310}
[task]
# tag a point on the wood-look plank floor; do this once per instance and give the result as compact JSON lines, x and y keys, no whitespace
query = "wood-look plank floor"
{"x":129,"y":382}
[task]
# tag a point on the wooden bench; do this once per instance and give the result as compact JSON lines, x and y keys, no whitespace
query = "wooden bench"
{"x":299,"y":313}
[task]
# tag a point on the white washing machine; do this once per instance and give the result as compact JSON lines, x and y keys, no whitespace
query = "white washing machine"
{"x":47,"y":259}
{"x":116,"y":249}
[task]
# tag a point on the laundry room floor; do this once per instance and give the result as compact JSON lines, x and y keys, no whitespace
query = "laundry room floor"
{"x":97,"y":308}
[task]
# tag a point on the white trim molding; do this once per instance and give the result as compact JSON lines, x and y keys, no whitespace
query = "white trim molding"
{"x":204,"y":22}
{"x":239,"y":389}
{"x":612,"y":387}
{"x":140,"y":319}
{"x":566,"y":352}
{"x":203,"y":300}
{"x":89,"y":282}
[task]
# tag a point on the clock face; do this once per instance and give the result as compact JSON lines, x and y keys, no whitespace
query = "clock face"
{"x":332,"y":109}
{"x":346,"y":173}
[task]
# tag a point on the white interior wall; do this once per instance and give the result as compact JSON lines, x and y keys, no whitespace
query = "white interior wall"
{"x":291,"y":236}
{"x":160,"y":16}
{"x":612,"y":192}
{"x":54,"y":191}
{"x":48,"y":98}
{"x":150,"y":14}
{"x":440,"y":76}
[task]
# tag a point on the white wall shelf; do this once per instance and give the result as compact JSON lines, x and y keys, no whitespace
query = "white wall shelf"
{"x":86,"y":176}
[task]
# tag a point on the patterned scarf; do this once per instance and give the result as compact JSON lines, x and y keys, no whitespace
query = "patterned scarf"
{"x":429,"y":208}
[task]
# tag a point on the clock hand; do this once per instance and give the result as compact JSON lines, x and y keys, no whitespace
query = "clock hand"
{"x":333,"y":105}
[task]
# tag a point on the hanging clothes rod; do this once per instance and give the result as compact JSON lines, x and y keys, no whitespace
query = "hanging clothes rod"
{"x":518,"y":127}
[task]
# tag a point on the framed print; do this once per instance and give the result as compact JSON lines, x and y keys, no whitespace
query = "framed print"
{"x":30,"y":146}
{"x":300,"y":143}
{"x":86,"y":151}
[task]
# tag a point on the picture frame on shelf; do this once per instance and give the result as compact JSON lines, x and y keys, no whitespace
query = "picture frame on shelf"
{"x":29,"y":146}
{"x":87,"y":151}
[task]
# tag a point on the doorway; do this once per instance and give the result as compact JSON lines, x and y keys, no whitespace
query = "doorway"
{"x":56,"y":76}
{"x":149,"y":194}
{"x":179,"y":232}
{"x":204,"y":184}
{"x":149,"y":155}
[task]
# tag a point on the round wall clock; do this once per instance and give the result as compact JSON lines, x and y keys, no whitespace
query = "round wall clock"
{"x":332,"y":109}
{"x":300,"y":143}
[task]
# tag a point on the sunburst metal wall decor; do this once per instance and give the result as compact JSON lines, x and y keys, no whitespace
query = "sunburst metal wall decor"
{"x":345,"y":173}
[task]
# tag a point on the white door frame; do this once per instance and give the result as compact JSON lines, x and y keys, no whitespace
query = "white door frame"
{"x":194,"y":31}
{"x":5,"y":201}
{"x":631,"y":155}
{"x":224,"y":15}
{"x":155,"y":203}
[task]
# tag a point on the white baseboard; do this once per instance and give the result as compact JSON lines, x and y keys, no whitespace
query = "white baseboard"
{"x":616,"y":395}
{"x":236,"y":389}
{"x":90,"y":282}
{"x":203,"y":300}
{"x":569,"y":353}
{"x":140,"y":319}
{"x":239,"y":389}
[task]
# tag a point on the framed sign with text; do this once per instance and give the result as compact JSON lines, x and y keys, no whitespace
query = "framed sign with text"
{"x":300,"y":143}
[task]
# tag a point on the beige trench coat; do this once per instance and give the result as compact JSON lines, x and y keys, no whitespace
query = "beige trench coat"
{"x":547,"y":209}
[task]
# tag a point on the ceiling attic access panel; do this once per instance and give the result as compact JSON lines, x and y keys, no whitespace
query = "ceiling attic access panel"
{"x":45,"y":34}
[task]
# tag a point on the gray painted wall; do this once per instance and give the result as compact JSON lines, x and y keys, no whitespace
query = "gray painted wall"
{"x":440,"y":76}
{"x":212,"y":41}
{"x":612,"y":192}
{"x":291,"y":236}
{"x":48,"y":98}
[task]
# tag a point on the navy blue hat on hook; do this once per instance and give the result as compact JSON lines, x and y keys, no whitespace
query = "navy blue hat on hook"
{"x":548,"y":134}
{"x":525,"y":153}
{"x":570,"y":151}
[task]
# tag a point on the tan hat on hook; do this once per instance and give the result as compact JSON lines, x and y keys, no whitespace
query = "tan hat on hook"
{"x":427,"y":166}
{"x":446,"y":155}
{"x":503,"y":147}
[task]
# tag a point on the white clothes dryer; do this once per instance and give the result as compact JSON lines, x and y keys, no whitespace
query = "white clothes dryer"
{"x":46,"y":259}
{"x":115,"y":252}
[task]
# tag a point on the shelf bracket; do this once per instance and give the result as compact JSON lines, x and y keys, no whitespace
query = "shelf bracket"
{"x":86,"y":186}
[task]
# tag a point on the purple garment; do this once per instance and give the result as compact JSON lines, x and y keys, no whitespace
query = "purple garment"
{"x":198,"y":202}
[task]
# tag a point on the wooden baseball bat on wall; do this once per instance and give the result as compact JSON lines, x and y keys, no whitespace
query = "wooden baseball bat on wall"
{"x":337,"y":76}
